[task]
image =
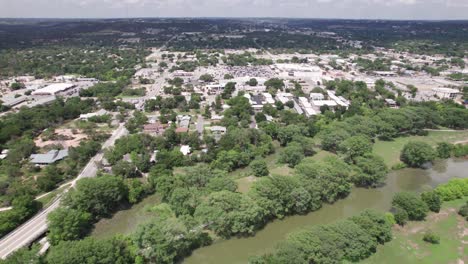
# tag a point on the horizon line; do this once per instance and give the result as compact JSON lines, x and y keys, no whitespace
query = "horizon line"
{"x":232,"y":17}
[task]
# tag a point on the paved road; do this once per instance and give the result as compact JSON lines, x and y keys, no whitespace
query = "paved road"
{"x":200,"y":123}
{"x":36,"y":226}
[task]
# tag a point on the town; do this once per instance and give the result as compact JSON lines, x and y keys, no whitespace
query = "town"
{"x":216,"y":132}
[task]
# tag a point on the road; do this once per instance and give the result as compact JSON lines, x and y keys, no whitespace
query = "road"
{"x":36,"y":226}
{"x":200,"y":123}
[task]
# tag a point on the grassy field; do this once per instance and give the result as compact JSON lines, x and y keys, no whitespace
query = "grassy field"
{"x":390,"y":150}
{"x":408,"y":246}
{"x":245,"y":177}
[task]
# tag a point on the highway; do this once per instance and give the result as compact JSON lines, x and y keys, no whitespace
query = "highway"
{"x":36,"y":226}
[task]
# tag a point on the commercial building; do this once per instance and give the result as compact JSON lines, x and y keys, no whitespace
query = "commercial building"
{"x":54,"y":89}
{"x":49,"y":158}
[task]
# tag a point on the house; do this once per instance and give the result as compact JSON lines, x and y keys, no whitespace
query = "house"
{"x":154,"y":128}
{"x":218,"y":132}
{"x":446,"y":93}
{"x":317,"y":96}
{"x":181,"y":130}
{"x":391,"y":103}
{"x":185,"y":149}
{"x":49,"y":158}
{"x":184,"y":121}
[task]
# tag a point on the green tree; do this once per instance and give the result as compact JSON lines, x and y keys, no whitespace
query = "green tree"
{"x":371,"y":171}
{"x":330,"y":177}
{"x":292,"y":154}
{"x":252,"y":82}
{"x":67,"y":224}
{"x":259,"y":167}
{"x":166,"y":240}
{"x":98,"y":196}
{"x":89,"y":250}
{"x":230,"y":214}
{"x":400,"y":216}
{"x":355,"y":146}
{"x":432,"y":199}
{"x":412,"y":204}
{"x":416,"y":154}
{"x":444,"y":150}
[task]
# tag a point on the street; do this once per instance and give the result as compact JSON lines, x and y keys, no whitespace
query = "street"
{"x":36,"y":226}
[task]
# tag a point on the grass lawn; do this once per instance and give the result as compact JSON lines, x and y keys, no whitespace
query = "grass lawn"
{"x":390,"y":150}
{"x":245,"y":177}
{"x":408,"y":246}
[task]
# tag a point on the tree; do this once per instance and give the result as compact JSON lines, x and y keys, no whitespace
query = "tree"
{"x":375,"y":224}
{"x":24,"y":255}
{"x":259,"y":167}
{"x":207,"y":78}
{"x":125,"y":169}
{"x":416,"y":154}
{"x":221,"y":184}
{"x":228,"y":76}
{"x":292,"y":155}
{"x":252,"y":82}
{"x":354,"y":147}
{"x":329,"y":177}
{"x":444,"y":150}
{"x":371,"y":171}
{"x":89,"y":250}
{"x":230,"y":213}
{"x":98,"y":196}
{"x":166,"y":240}
{"x":400,"y":216}
{"x":184,"y":200}
{"x":432,"y":199}
{"x":414,"y":206}
{"x":136,"y":190}
{"x":67,"y":224}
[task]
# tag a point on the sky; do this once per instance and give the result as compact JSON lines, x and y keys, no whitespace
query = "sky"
{"x":355,"y":9}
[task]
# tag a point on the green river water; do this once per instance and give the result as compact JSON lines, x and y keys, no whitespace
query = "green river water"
{"x":238,"y":250}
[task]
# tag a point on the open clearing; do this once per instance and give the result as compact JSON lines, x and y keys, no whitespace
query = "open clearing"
{"x":390,"y":150}
{"x":407,"y":245}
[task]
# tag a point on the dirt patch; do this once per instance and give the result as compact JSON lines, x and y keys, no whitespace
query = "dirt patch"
{"x":72,"y":139}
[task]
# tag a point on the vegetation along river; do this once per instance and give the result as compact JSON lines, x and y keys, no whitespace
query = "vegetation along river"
{"x":238,"y":250}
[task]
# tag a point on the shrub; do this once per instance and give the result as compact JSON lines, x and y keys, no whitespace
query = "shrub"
{"x":452,"y":190}
{"x":400,"y":216}
{"x":432,"y":238}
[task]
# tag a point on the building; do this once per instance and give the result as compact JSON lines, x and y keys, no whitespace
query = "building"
{"x":218,"y":132}
{"x":154,"y":128}
{"x":446,"y":93}
{"x":49,"y":158}
{"x":89,"y":115}
{"x":54,"y":89}
{"x":184,"y":121}
{"x":185,"y":149}
{"x":391,"y":103}
{"x":180,"y":130}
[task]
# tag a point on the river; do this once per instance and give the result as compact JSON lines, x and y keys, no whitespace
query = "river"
{"x":238,"y":250}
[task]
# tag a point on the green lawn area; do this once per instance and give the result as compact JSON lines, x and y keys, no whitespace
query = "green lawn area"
{"x":245,"y":177}
{"x":126,"y":220}
{"x":408,"y":246}
{"x":390,"y":150}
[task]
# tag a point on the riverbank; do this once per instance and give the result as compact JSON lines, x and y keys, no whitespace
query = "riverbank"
{"x":407,"y":245}
{"x":238,"y":250}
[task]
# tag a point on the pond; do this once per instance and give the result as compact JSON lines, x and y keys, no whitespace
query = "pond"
{"x":238,"y":250}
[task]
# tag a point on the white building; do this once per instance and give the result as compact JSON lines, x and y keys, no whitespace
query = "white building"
{"x":53,"y":89}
